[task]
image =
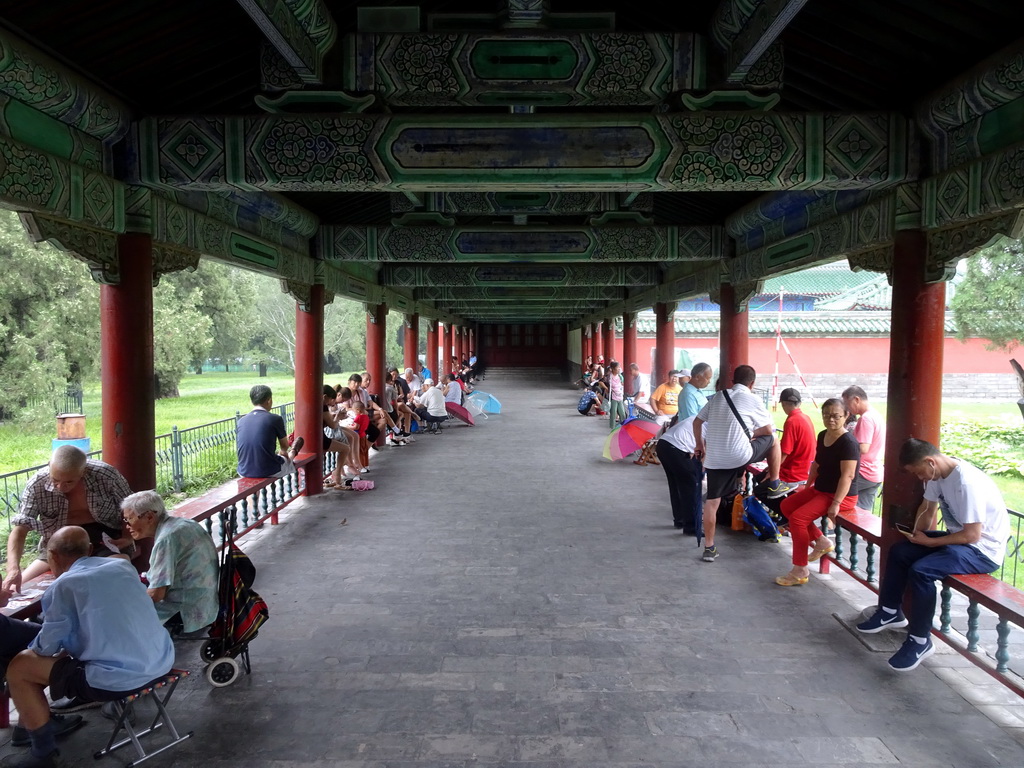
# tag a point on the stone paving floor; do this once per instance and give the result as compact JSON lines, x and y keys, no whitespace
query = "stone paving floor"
{"x":506,"y":597}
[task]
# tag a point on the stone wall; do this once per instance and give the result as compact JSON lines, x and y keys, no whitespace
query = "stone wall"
{"x":959,"y":386}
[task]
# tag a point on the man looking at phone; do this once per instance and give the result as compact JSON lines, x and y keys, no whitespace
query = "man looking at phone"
{"x":977,"y":528}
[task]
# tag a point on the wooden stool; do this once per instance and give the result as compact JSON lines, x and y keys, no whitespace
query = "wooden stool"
{"x":121,"y":718}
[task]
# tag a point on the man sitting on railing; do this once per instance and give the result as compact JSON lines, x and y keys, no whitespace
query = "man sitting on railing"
{"x":183,"y":568}
{"x":977,"y":528}
{"x":100,"y":640}
{"x":258,"y":433}
{"x":72,"y":490}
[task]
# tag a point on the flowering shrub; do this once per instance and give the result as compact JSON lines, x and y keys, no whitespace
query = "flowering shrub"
{"x":997,"y":450}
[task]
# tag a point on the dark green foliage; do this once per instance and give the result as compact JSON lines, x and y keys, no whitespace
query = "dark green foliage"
{"x":989,"y":301}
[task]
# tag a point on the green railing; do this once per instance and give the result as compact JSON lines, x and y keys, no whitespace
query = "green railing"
{"x":191,"y":459}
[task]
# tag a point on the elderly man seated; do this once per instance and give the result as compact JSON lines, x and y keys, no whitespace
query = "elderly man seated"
{"x":183,"y":570}
{"x":431,"y":405}
{"x":100,"y":640}
{"x":72,"y":490}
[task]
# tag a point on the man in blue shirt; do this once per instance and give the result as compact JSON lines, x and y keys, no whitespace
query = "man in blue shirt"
{"x":101,"y":622}
{"x":691,"y":399}
{"x":258,"y":433}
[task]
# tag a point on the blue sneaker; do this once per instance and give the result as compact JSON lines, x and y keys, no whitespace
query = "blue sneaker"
{"x":881,"y":620}
{"x":911,"y":654}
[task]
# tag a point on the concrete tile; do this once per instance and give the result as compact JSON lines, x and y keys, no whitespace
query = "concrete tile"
{"x":469,"y":746}
{"x":580,"y":750}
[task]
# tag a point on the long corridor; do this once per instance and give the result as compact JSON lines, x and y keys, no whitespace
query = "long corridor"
{"x":506,"y":597}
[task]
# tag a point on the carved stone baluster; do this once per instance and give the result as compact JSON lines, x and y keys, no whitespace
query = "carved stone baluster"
{"x":973,"y":635}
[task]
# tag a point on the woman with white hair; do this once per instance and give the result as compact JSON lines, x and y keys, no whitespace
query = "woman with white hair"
{"x":183,"y":568}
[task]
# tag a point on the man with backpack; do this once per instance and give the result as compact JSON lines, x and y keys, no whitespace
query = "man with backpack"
{"x":739,"y":432}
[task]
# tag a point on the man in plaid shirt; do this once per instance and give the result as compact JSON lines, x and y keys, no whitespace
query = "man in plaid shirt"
{"x":72,"y":490}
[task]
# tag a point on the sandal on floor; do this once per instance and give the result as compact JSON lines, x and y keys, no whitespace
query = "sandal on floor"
{"x":791,"y":581}
{"x":816,"y":554}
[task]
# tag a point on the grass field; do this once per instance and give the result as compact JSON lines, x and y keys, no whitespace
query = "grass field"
{"x":204,"y":398}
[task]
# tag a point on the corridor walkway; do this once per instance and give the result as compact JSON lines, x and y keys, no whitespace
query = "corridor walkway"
{"x":507,"y":597}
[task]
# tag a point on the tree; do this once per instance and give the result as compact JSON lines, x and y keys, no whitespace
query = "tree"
{"x":181,"y":333}
{"x":989,"y":301}
{"x":228,"y":296}
{"x":49,"y":323}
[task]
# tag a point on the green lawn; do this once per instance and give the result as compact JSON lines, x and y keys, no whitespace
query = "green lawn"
{"x":204,"y":398}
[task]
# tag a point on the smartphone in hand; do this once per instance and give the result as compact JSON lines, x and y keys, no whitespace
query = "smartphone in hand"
{"x":906,"y":530}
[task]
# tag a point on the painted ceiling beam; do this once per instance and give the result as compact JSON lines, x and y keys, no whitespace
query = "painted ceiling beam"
{"x":520,"y":243}
{"x":687,"y":151}
{"x":525,"y":203}
{"x":301,"y":31}
{"x":525,"y":68}
{"x":519,"y":275}
{"x":37,"y":81}
{"x":593,"y":293}
{"x":746,"y":29}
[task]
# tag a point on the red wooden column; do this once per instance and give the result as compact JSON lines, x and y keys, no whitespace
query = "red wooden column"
{"x":309,"y":382}
{"x":734,"y":336}
{"x":411,"y":345}
{"x":914,"y":408}
{"x":597,"y":341}
{"x":447,"y":348}
{"x":629,"y":340}
{"x":126,"y":321}
{"x":584,"y":345}
{"x":432,"y":347}
{"x":665,"y":342}
{"x":609,"y":339}
{"x":458,"y":333}
{"x":376,"y":332}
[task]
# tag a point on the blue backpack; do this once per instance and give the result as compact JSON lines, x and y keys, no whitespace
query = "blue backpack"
{"x":755,"y":514}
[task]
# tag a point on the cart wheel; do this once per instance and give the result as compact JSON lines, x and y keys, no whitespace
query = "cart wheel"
{"x":210,"y":650}
{"x":222,"y":672}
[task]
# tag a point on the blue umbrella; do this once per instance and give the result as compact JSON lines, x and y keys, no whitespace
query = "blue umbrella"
{"x":489,"y":403}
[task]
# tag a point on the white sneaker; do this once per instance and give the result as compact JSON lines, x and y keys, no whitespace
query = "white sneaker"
{"x":364,"y":470}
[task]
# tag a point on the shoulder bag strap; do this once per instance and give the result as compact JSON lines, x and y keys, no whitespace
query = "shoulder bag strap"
{"x":736,"y":414}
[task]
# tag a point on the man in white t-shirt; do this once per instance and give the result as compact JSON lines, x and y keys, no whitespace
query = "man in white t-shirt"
{"x":977,"y":528}
{"x":731,"y":445}
{"x":431,"y":405}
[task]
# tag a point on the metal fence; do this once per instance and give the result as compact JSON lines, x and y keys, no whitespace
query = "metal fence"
{"x":193,"y":459}
{"x":68,"y":402}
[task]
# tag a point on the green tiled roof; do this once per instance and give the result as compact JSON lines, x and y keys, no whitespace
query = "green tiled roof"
{"x":825,"y":280}
{"x":864,"y":323}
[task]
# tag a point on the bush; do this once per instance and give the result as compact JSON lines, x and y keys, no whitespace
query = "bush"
{"x":997,"y":450}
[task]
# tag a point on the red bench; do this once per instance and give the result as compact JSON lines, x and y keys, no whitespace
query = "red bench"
{"x":269,"y":494}
{"x":981,"y":591}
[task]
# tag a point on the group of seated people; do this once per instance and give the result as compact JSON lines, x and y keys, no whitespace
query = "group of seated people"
{"x":815,"y":476}
{"x":353,"y":420}
{"x":128,"y":576}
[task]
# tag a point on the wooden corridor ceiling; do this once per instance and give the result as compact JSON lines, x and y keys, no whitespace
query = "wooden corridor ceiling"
{"x":177,"y":61}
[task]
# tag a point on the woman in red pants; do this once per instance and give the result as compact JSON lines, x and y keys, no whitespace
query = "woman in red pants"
{"x":830,"y":489}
